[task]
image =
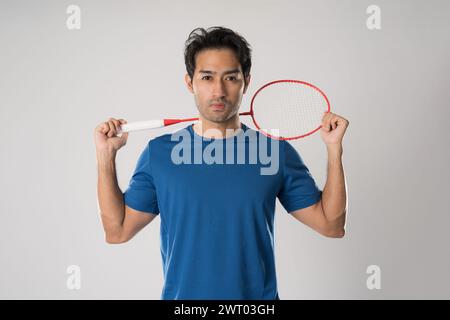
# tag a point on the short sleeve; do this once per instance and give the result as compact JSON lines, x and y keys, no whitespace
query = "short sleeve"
{"x":141,"y":193}
{"x":298,"y":190}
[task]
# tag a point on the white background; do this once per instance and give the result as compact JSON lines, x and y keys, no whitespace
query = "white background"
{"x":126,"y":61}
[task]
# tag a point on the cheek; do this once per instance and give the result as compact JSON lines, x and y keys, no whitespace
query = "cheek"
{"x":237,"y":94}
{"x":238,"y":90}
{"x":200,"y":92}
{"x":201,"y":96}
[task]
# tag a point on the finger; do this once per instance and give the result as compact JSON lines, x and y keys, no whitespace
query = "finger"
{"x":116,"y":124}
{"x":100,"y":128}
{"x":329,"y":126}
{"x":339,"y":121}
{"x":112,"y":129}
{"x":122,"y":121}
{"x":105,"y":127}
{"x":327,"y":116}
{"x":124,"y":135}
{"x":333,"y":123}
{"x":326,"y":124}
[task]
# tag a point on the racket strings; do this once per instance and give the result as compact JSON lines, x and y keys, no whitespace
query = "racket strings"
{"x":289,"y":109}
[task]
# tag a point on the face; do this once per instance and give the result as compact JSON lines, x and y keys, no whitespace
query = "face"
{"x":217,"y":84}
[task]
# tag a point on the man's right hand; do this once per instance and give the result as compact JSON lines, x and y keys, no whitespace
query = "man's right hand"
{"x":106,"y":140}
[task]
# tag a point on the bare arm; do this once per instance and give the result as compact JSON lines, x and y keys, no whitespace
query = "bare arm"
{"x":334,"y":195}
{"x":328,"y":215}
{"x":110,"y":198}
{"x":120,"y":223}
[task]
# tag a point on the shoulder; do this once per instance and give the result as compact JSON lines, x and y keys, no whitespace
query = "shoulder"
{"x":289,"y":149}
{"x":290,"y":155}
{"x":168,"y":138}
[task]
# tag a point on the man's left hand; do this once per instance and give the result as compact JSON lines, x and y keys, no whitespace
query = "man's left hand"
{"x":333,"y":128}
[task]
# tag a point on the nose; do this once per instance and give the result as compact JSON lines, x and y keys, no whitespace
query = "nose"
{"x":219,"y":90}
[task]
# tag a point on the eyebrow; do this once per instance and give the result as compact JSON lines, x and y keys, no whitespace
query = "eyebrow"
{"x":226,"y":72}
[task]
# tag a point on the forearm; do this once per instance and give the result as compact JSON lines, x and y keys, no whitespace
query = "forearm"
{"x":110,"y":197}
{"x":334,"y":195}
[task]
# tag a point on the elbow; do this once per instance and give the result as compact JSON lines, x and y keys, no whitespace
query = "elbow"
{"x":335,"y":228}
{"x":333,"y":232}
{"x":114,"y":239}
{"x":340,"y":233}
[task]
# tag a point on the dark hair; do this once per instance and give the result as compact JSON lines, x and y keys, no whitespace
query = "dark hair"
{"x":216,"y":38}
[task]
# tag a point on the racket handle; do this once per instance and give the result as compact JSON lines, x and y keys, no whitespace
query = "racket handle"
{"x":141,"y":125}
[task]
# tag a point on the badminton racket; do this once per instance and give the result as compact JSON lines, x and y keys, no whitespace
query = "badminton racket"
{"x":281,"y":109}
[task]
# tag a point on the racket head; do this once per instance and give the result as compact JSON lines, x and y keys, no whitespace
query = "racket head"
{"x":284,"y":104}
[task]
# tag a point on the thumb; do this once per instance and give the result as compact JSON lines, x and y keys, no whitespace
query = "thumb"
{"x":123,"y":136}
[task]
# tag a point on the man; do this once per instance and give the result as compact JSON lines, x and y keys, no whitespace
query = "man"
{"x":217,"y":218}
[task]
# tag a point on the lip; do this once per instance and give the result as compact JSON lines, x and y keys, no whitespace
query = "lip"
{"x":218,"y":106}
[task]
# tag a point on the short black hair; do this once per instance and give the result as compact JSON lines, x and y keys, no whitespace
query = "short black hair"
{"x":217,"y":38}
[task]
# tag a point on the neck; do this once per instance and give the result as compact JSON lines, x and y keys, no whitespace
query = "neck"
{"x":217,"y":130}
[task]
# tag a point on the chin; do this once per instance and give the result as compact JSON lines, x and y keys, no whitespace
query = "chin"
{"x":217,"y":118}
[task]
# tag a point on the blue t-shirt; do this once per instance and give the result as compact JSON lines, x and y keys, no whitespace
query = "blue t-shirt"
{"x":217,"y":209}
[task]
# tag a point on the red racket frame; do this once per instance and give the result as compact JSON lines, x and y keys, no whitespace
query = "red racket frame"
{"x":168,"y":122}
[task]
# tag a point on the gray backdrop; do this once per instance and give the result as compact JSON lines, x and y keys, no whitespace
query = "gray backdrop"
{"x":126,"y":61}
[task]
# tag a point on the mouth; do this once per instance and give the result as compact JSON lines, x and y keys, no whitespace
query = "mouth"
{"x":217,"y":106}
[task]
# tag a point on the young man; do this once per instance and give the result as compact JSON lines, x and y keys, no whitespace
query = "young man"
{"x":217,"y":217}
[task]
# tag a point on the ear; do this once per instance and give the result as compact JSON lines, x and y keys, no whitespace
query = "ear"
{"x":188,"y":81}
{"x":247,"y":82}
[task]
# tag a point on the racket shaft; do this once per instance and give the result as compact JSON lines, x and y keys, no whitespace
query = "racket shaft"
{"x":141,"y":125}
{"x":153,"y":124}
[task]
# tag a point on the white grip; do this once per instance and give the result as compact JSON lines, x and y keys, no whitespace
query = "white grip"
{"x":141,"y":125}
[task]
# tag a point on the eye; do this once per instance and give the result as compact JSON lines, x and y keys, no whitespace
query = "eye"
{"x":209,"y":77}
{"x":232,"y":78}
